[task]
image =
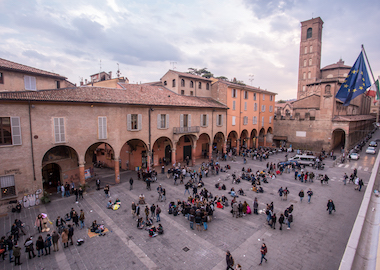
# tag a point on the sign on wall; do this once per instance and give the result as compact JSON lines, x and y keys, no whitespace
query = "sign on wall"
{"x":300,"y":133}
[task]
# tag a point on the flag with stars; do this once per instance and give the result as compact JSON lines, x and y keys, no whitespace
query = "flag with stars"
{"x":356,"y":83}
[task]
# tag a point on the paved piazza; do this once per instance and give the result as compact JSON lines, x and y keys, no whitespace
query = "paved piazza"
{"x":316,"y":240}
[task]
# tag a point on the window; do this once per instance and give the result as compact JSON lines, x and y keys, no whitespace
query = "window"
{"x":173,"y":83}
{"x":185,"y":120}
{"x":311,"y":48}
{"x":219,"y":120}
{"x":8,"y":188}
{"x":310,"y":61}
{"x":304,"y":88}
{"x":304,"y":62}
{"x":162,"y":121}
{"x":102,"y":127}
{"x":204,"y":120}
{"x":58,"y":84}
{"x":245,"y":106}
{"x":5,"y":131}
{"x":1,"y":78}
{"x":30,"y":83}
{"x":59,"y":130}
{"x":263,"y":96}
{"x":245,"y":94}
{"x":245,"y":120}
{"x":328,"y":89}
{"x":262,"y":121}
{"x":200,"y":85}
{"x":233,"y":120}
{"x":309,"y":75}
{"x":233,"y":105}
{"x":263,"y":108}
{"x":182,"y":92}
{"x":304,"y":75}
{"x":254,"y":120}
{"x":134,"y":122}
{"x":254,"y":96}
{"x":191,"y":84}
{"x":165,"y":83}
{"x":305,"y":49}
{"x":182,"y":82}
{"x":234,"y":94}
{"x":255,"y":107}
{"x":270,"y":119}
{"x":191,"y":93}
{"x":309,"y":33}
{"x":207,"y":86}
{"x":270,"y":108}
{"x":271,"y":98}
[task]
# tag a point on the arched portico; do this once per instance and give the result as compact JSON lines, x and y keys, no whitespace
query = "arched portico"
{"x":244,"y":139}
{"x":269,"y":137}
{"x":204,"y":147}
{"x":233,"y":142}
{"x":61,"y":161}
{"x":219,"y":142}
{"x":253,"y":138}
{"x":134,"y":153}
{"x":262,"y":141}
{"x":185,"y":148}
{"x":338,"y":138}
{"x":162,"y":151}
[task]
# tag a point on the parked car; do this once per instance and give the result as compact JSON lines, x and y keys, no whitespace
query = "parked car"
{"x":371,"y":150}
{"x":354,"y":156}
{"x":289,"y":162}
{"x":373,"y":144}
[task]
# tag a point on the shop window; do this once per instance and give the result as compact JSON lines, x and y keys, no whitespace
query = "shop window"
{"x":8,"y":188}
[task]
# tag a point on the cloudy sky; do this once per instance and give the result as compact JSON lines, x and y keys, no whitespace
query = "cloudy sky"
{"x":232,"y":38}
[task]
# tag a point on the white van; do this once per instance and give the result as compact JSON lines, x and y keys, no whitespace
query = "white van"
{"x":304,"y":159}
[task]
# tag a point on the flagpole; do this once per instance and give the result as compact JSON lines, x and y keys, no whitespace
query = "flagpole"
{"x":373,"y":77}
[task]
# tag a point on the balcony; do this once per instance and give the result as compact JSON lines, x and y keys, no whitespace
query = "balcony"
{"x":183,"y":130}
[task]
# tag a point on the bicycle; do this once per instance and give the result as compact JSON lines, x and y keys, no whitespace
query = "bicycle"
{"x":24,"y":230}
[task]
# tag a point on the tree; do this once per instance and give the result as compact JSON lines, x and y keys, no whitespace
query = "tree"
{"x":222,"y":78}
{"x":281,"y":101}
{"x":201,"y":72}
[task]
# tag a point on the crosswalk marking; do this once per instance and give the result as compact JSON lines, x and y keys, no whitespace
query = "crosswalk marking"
{"x":340,"y":165}
{"x":346,"y":166}
{"x":366,"y":169}
{"x":360,"y":167}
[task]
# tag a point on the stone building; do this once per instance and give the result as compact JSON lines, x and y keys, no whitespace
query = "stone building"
{"x":318,"y":120}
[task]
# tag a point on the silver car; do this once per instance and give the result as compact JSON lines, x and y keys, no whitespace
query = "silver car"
{"x":371,"y":150}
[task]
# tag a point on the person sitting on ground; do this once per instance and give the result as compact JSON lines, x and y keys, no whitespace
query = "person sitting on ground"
{"x":140,"y":223}
{"x":18,"y":207}
{"x":152,"y":232}
{"x":97,"y":228}
{"x":233,"y":194}
{"x":109,"y":204}
{"x":149,"y":222}
{"x":141,"y":199}
{"x":219,"y":205}
{"x":224,"y":187}
{"x":160,"y":230}
{"x":254,"y":188}
{"x":260,"y":190}
{"x":241,"y":192}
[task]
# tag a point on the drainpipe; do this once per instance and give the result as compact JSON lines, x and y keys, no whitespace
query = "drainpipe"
{"x":31,"y":141}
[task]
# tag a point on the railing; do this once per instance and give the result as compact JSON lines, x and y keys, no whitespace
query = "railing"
{"x":182,"y":130}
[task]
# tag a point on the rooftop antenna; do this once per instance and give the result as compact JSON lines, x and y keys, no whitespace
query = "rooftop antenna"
{"x":100,"y":68}
{"x":173,"y":63}
{"x":251,"y":78}
{"x":118,"y":73}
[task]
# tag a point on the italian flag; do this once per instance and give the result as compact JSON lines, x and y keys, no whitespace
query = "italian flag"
{"x":374,"y":90}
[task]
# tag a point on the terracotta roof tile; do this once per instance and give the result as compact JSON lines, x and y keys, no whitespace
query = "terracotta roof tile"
{"x":132,"y":94}
{"x":245,"y":87}
{"x":189,"y":75}
{"x":9,"y":65}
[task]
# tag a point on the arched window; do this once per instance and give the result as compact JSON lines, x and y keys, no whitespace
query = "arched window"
{"x":304,"y":62}
{"x":304,"y":88}
{"x":311,"y":48}
{"x":200,"y":85}
{"x":310,"y":62}
{"x":328,"y":89}
{"x":191,"y":84}
{"x":165,"y":83}
{"x":309,"y":75}
{"x":305,"y":49}
{"x":173,"y":83}
{"x":207,"y":86}
{"x":183,"y":83}
{"x":309,"y":33}
{"x":304,"y":75}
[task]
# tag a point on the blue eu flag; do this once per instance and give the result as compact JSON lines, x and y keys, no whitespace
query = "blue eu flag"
{"x":356,"y":82}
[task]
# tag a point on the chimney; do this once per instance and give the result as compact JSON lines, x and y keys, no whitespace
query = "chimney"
{"x":110,"y":73}
{"x":85,"y":81}
{"x":81,"y":83}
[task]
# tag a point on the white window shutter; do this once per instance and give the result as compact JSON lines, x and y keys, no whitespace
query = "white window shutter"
{"x":139,"y":122}
{"x":222,"y":120}
{"x":202,"y":124}
{"x":100,"y":127}
{"x":233,"y":120}
{"x":232,"y":92}
{"x":158,"y":121}
{"x":33,"y":83}
{"x":129,"y":124}
{"x":56,"y":129}
{"x":104,"y":128}
{"x":245,"y":106}
{"x":189,"y":120}
{"x":206,"y":120}
{"x":167,"y":120}
{"x":16,"y":131}
{"x":181,"y":120}
{"x":62,"y":129}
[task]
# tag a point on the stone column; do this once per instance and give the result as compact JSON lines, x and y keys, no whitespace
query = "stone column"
{"x":256,"y":142}
{"x":347,"y":142}
{"x":209,"y":152}
{"x":82,"y":179}
{"x":248,"y":142}
{"x":174,"y":156}
{"x":265,"y":140}
{"x":238,"y":147}
{"x":117,"y":171}
{"x":193,"y":154}
{"x":225,"y":147}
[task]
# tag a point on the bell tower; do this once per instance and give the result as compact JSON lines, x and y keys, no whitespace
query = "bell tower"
{"x":310,"y":55}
